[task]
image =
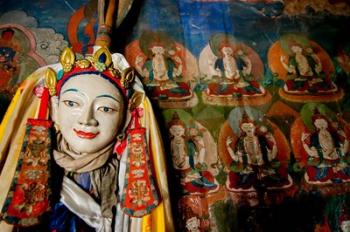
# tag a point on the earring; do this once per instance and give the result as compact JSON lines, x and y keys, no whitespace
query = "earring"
{"x":121,"y":136}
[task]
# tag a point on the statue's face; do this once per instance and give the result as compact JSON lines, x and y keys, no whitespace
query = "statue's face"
{"x":177,"y":130}
{"x":89,"y":113}
{"x":321,"y":124}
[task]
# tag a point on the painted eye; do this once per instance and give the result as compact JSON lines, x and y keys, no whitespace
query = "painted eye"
{"x":105,"y":109}
{"x":71,"y":104}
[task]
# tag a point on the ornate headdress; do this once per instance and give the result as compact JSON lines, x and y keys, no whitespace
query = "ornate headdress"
{"x":176,"y":120}
{"x":245,"y":119}
{"x":318,"y":115}
{"x":100,"y":63}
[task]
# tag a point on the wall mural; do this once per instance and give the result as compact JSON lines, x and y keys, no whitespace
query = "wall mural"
{"x":252,"y":96}
{"x":24,"y":48}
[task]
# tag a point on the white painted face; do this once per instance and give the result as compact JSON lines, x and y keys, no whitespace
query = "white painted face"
{"x":248,"y":128}
{"x":296,"y":49}
{"x":193,"y":224}
{"x":89,"y":113}
{"x":177,"y":130}
{"x":321,"y":124}
{"x":157,"y":50}
{"x":345,"y":226}
{"x":227,"y":51}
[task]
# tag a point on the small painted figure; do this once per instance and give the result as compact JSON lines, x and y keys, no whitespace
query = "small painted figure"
{"x":8,"y":57}
{"x":254,"y":159}
{"x":166,"y":67}
{"x":328,"y":151}
{"x":231,"y":72}
{"x":188,"y":157}
{"x":306,"y":69}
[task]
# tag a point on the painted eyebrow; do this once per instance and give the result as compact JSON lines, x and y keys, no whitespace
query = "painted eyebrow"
{"x":109,"y":96}
{"x":70,"y":90}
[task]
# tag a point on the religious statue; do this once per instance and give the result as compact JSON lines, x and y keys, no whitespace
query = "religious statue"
{"x":188,"y":155}
{"x":87,"y":122}
{"x":306,"y":69}
{"x":166,"y":69}
{"x":81,"y":149}
{"x":254,"y":150}
{"x":232,"y":71}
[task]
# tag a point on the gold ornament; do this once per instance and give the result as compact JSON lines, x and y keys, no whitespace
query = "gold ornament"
{"x":50,"y":81}
{"x":67,"y":59}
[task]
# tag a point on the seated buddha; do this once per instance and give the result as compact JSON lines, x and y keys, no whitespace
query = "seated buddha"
{"x":327,"y":149}
{"x":305,"y":72}
{"x":254,"y":159}
{"x":254,"y":153}
{"x":305,"y":68}
{"x":233,"y":74}
{"x":187,"y":150}
{"x":164,"y":72}
{"x":236,"y":73}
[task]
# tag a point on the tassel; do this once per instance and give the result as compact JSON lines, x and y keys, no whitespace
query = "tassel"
{"x":29,"y":195}
{"x":139,"y":194}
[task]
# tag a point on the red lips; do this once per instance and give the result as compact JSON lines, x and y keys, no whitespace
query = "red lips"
{"x":86,"y":135}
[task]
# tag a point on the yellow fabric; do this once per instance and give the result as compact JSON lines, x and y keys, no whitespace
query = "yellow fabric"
{"x":161,"y":216}
{"x":146,"y":223}
{"x":159,"y":219}
{"x":6,"y":117}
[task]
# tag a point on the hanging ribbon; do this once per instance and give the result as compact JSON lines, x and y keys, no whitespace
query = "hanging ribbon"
{"x":29,"y":195}
{"x":139,"y":195}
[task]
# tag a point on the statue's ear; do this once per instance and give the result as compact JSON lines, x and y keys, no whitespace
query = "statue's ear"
{"x":54,"y":108}
{"x":136,"y":100}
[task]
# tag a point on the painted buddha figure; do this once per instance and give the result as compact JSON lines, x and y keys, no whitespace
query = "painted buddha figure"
{"x":9,"y":48}
{"x":163,"y":64}
{"x":232,"y":71}
{"x":187,"y":155}
{"x":93,"y":102}
{"x":327,"y":149}
{"x":254,"y":159}
{"x":229,"y":68}
{"x":306,"y":69}
{"x":236,"y":69}
{"x":162,"y":72}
